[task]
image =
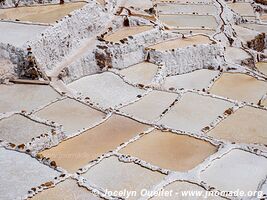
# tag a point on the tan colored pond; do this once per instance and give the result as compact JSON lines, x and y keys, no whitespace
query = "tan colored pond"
{"x":263,"y":18}
{"x":262,"y":67}
{"x":140,"y":73}
{"x":101,"y":2}
{"x":194,"y":112}
{"x":42,"y":14}
{"x":125,"y":32}
{"x":246,"y":125}
{"x":239,"y":87}
{"x":170,"y":151}
{"x":264,"y":103}
{"x":113,"y":175}
{"x":188,"y":20}
{"x":142,"y":4}
{"x":78,"y":151}
{"x":67,"y":190}
{"x":181,"y":42}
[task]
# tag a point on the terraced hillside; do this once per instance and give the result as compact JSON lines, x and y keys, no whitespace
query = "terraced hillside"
{"x":123,"y":99}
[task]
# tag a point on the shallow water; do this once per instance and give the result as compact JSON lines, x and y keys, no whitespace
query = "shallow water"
{"x":170,"y":151}
{"x":125,"y":32}
{"x":181,"y":42}
{"x":101,"y":2}
{"x":262,"y":67}
{"x":80,"y":150}
{"x":246,"y":125}
{"x":264,"y":18}
{"x":239,"y":87}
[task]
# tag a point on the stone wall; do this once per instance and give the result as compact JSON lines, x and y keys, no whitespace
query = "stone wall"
{"x":116,"y":55}
{"x":188,"y":59}
{"x":59,"y":41}
{"x":259,"y":43}
{"x":10,"y":58}
{"x":264,"y":2}
{"x":88,"y":62}
{"x":14,"y":54}
{"x":84,"y":66}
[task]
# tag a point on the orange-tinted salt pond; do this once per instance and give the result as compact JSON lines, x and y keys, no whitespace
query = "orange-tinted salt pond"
{"x":170,"y":151}
{"x":125,"y":32}
{"x":181,"y":42}
{"x":78,"y":151}
{"x":239,"y":87}
{"x":262,"y":67}
{"x":43,"y":14}
{"x":246,"y":125}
